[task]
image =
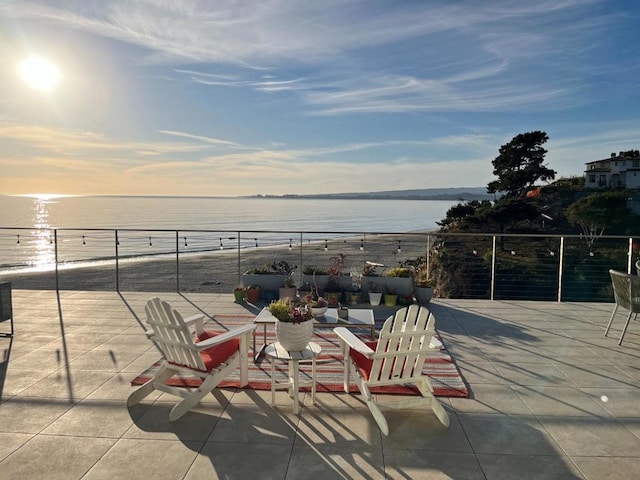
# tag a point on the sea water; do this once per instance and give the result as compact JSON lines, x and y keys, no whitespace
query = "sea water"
{"x":30,"y":227}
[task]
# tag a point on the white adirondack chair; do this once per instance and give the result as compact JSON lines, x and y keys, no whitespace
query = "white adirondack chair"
{"x":209,"y":355}
{"x":404,"y":344}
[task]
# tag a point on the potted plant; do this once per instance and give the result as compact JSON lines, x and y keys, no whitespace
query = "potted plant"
{"x":390,"y":298}
{"x":288,"y":289}
{"x":269,"y":277}
{"x":375,"y":295}
{"x":399,"y":279}
{"x":422,"y":285}
{"x":333,"y":289}
{"x":294,"y":327}
{"x":239,"y":293}
{"x":252,"y":294}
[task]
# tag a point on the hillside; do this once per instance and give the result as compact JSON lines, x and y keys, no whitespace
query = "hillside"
{"x":452,"y":193}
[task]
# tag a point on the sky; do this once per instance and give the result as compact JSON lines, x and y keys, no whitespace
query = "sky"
{"x":245,"y":97}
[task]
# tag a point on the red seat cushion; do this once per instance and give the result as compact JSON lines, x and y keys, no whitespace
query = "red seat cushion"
{"x":214,"y":356}
{"x":363,"y":363}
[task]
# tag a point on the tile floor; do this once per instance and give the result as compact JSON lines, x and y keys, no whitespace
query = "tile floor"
{"x":552,"y":398}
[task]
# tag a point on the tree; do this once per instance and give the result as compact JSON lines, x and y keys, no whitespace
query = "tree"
{"x":597,"y":212}
{"x":520,"y":164}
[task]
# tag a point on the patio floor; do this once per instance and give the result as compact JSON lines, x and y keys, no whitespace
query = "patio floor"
{"x":551,"y":398}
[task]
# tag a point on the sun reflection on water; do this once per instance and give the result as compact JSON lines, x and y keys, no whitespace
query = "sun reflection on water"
{"x":44,"y":249}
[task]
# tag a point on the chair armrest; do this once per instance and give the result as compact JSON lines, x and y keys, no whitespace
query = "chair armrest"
{"x":198,"y":320}
{"x":223,"y":337}
{"x":354,"y":342}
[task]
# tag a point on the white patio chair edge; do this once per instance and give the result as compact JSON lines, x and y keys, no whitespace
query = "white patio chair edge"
{"x":626,"y":292}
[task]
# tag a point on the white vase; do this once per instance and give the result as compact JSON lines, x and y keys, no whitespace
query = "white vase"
{"x":294,"y":336}
{"x":375,"y":298}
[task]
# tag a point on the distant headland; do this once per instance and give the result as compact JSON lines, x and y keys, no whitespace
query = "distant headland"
{"x":452,"y":193}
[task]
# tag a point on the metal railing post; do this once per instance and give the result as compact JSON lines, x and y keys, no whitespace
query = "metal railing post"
{"x":493,"y":268}
{"x":239,"y":272}
{"x":428,"y":256}
{"x":560,"y":269}
{"x":177,"y":262}
{"x":301,"y":260}
{"x":117,"y":262}
{"x":630,"y":255}
{"x":55,"y":250}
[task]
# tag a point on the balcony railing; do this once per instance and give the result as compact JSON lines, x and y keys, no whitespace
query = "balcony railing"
{"x":488,"y":266}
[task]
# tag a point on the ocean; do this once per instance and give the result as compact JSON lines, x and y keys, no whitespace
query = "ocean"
{"x":27,"y":224}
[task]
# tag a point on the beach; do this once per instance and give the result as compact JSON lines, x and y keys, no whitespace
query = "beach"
{"x":217,"y":272}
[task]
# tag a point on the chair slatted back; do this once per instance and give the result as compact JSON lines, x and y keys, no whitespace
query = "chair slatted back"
{"x":626,"y":290}
{"x":403,"y":346}
{"x":172,"y":335}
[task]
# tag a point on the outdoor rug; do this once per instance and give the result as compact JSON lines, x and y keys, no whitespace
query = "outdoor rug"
{"x":441,"y":369}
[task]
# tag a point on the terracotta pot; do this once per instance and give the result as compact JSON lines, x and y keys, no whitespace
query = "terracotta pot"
{"x":253,"y":294}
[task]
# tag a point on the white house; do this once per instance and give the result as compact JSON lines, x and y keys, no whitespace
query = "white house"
{"x":618,"y":171}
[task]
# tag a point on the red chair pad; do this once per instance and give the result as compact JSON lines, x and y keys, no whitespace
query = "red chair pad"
{"x":363,"y":363}
{"x":214,"y":356}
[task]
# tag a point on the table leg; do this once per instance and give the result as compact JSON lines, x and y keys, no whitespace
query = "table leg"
{"x":313,"y":380}
{"x":273,"y":381}
{"x":296,"y":387}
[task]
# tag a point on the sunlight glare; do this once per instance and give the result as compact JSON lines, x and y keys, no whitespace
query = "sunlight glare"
{"x":39,"y":73}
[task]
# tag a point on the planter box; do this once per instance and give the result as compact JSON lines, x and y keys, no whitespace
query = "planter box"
{"x":400,"y":285}
{"x":269,"y":283}
{"x":344,"y":281}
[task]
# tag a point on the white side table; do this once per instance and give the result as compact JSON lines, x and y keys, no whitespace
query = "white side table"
{"x":275,"y":351}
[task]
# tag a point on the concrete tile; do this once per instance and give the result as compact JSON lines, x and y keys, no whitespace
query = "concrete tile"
{"x":222,"y":461}
{"x":10,"y":442}
{"x":71,"y":385}
{"x":196,"y":425}
{"x":55,"y":457}
{"x":256,"y":424}
{"x":609,"y":468}
{"x":30,"y":415}
{"x":479,"y":372}
{"x":330,"y":425}
{"x":410,"y":464}
{"x":510,"y":435}
{"x":592,"y":436}
{"x":531,"y":374}
{"x":529,"y":467}
{"x":421,"y":430}
{"x":136,"y":459}
{"x":96,"y":419}
{"x":335,"y":461}
{"x":586,"y":376}
{"x":561,"y":401}
{"x":619,"y":402}
{"x":488,"y":398}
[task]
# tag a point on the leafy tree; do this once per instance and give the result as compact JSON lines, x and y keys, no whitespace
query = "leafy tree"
{"x":597,"y":212}
{"x":458,"y":213}
{"x":508,"y":212}
{"x":520,"y":164}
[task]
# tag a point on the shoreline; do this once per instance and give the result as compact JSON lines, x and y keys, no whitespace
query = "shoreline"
{"x":215,"y":271}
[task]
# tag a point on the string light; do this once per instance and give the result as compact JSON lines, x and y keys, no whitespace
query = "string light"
{"x":83,"y":241}
{"x":362,"y":244}
{"x":552,"y":253}
{"x":221,"y":245}
{"x":256,"y":242}
{"x":18,"y":242}
{"x":150,"y":244}
{"x":185,"y":242}
{"x":475,"y":252}
{"x":326,"y":246}
{"x":290,"y":245}
{"x":513,"y":252}
{"x":399,"y":247}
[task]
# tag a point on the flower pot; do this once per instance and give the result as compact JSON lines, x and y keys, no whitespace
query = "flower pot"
{"x":375,"y":298}
{"x":287,"y":293}
{"x":253,"y":294}
{"x":423,"y":294}
{"x":239,"y":295}
{"x":333,"y":297}
{"x":294,"y":337}
{"x":390,"y":299}
{"x":318,"y":311}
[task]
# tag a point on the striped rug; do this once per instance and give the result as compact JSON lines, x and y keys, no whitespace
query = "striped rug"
{"x":441,"y":369}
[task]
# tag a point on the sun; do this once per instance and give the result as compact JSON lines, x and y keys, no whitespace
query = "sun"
{"x":39,"y":73}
